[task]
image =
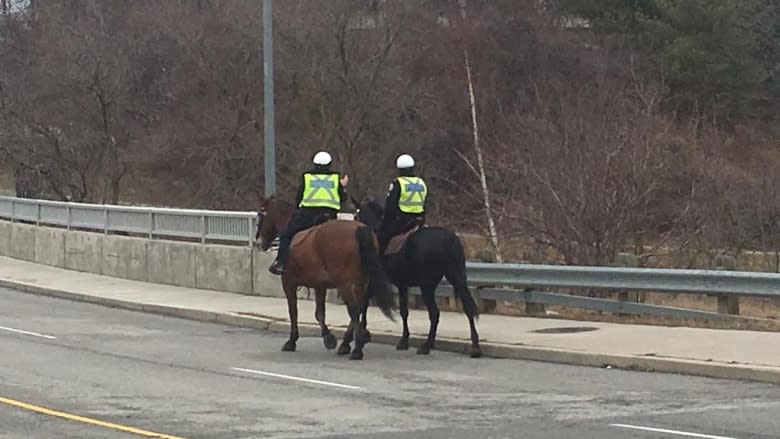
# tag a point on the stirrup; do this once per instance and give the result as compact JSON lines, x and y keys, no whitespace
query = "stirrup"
{"x":276,"y":268}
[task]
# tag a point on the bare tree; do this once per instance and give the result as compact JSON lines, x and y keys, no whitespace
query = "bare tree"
{"x":583,"y":166}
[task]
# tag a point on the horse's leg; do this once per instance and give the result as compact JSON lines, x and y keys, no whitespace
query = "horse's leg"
{"x":290,"y":290}
{"x":429,"y":296}
{"x":360,"y":332}
{"x":460,"y":286}
{"x":319,"y":313}
{"x":365,"y":321}
{"x":403,"y":302}
{"x":344,"y":347}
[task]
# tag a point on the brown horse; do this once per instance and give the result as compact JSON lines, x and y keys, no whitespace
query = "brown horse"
{"x":336,"y":254}
{"x":272,"y":219}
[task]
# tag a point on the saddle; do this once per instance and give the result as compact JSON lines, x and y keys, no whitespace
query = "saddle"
{"x":397,"y":242}
{"x":300,"y":236}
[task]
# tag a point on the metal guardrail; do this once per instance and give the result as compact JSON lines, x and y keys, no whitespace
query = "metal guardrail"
{"x":517,"y":283}
{"x":502,"y":281}
{"x":204,"y":225}
{"x":632,"y":279}
{"x":506,"y":282}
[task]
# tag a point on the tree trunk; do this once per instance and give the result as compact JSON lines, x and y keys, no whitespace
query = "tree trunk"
{"x":480,"y":162}
{"x":478,"y":148}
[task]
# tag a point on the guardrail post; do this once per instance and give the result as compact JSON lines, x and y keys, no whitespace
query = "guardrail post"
{"x":631,"y":261}
{"x":485,"y":305}
{"x":252,"y":228}
{"x":203,"y":229}
{"x":532,"y":308}
{"x":151,"y":225}
{"x":535,"y":308}
{"x":727,"y":303}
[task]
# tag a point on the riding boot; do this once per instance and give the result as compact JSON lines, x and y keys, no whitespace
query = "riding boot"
{"x":300,"y":221}
{"x":280,"y":263}
{"x":384,"y":238}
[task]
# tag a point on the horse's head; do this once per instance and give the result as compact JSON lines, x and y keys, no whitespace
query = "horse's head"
{"x":369,"y":213}
{"x":272,"y":218}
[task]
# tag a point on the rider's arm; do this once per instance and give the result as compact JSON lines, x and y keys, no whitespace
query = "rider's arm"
{"x":425,"y":203}
{"x":391,"y":203}
{"x":342,"y":193}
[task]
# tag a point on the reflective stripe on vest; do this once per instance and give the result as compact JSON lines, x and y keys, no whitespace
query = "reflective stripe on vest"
{"x":321,"y":190}
{"x":413,"y":193}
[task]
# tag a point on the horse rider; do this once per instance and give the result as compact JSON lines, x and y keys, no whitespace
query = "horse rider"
{"x":405,"y":202}
{"x":319,"y":195}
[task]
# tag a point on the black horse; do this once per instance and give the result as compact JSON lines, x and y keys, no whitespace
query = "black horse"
{"x":428,"y":255}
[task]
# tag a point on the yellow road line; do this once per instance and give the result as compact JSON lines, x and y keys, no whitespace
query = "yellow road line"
{"x":50,"y":412}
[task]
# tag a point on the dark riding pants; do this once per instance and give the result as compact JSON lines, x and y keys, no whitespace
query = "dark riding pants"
{"x":301,"y":220}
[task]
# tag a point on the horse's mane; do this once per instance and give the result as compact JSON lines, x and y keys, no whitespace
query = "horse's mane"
{"x":376,"y":209}
{"x":286,"y":204}
{"x":278,"y":201}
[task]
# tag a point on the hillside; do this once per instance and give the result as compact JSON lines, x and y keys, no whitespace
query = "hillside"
{"x":649,"y":127}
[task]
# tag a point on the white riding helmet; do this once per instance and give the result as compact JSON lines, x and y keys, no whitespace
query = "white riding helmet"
{"x":404,"y":161}
{"x":322,"y":158}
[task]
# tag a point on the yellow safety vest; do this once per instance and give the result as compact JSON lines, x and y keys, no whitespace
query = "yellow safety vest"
{"x":321,"y":190}
{"x":413,"y":193}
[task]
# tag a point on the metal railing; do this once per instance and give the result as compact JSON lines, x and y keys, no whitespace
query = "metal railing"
{"x":516,"y":282}
{"x":506,"y":282}
{"x":635,"y":279}
{"x":205,"y":225}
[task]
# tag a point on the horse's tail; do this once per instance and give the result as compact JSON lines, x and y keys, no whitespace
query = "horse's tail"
{"x":371,"y":266}
{"x":456,"y":275}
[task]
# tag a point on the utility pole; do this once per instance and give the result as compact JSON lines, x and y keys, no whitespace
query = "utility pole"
{"x":268,"y":106}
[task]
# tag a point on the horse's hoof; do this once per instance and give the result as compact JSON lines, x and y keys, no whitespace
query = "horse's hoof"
{"x":362,"y":338}
{"x":423,"y":350}
{"x":344,"y":349}
{"x":329,"y":341}
{"x":289,"y":346}
{"x":356,"y":355}
{"x":402,"y":345}
{"x":476,"y":352}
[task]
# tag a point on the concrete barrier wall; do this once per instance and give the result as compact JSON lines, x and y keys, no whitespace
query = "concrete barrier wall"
{"x":224,"y":268}
{"x":22,"y":242}
{"x":234,"y":269}
{"x":50,"y":247}
{"x":264,"y":283}
{"x":124,"y":257}
{"x":5,"y":238}
{"x":84,"y":251}
{"x":171,"y":263}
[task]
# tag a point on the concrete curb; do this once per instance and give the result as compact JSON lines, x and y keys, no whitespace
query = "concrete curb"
{"x":492,"y":350}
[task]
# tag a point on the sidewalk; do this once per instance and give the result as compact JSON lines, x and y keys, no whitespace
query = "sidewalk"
{"x":705,"y":352}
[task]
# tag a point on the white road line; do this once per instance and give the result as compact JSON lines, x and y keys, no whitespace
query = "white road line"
{"x":19,"y":331}
{"x":288,"y":377}
{"x":673,"y":432}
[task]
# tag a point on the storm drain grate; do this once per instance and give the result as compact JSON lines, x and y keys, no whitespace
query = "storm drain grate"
{"x":566,"y":330}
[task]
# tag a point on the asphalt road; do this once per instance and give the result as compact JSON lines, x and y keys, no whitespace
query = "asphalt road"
{"x":195,"y":380}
